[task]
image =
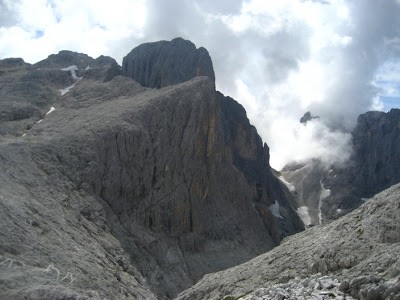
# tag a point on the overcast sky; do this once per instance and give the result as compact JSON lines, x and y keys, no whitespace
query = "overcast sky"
{"x":337,"y":58}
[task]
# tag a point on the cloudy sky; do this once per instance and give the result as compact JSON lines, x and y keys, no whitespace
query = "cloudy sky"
{"x":279,"y":59}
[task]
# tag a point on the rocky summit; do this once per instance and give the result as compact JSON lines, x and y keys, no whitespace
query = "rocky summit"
{"x":134,"y":182}
{"x":166,"y":63}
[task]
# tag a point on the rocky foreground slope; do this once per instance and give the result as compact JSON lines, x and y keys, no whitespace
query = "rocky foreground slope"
{"x":356,"y":256}
{"x":109,"y":189}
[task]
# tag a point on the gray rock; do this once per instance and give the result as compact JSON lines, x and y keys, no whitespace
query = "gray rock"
{"x":12,"y":62}
{"x":28,"y":91}
{"x":376,"y":156}
{"x":65,"y":58}
{"x":374,"y":272}
{"x":164,"y":63}
{"x":307,"y":117}
{"x":184,"y":172}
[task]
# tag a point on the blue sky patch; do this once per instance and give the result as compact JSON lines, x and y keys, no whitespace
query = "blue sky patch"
{"x":390,"y":102}
{"x":39,"y":34}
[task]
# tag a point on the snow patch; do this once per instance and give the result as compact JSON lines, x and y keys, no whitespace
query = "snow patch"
{"x":330,"y":171}
{"x":339,"y":210}
{"x":324,"y":193}
{"x":40,"y":121}
{"x":24,"y":134}
{"x":87,"y":68}
{"x":73,"y":70}
{"x":304,"y":215}
{"x":66,"y":90}
{"x":51,"y":110}
{"x":274,"y":208}
{"x":288,"y":184}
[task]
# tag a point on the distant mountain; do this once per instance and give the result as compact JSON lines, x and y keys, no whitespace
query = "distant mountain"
{"x":110,"y":189}
{"x":330,"y":192}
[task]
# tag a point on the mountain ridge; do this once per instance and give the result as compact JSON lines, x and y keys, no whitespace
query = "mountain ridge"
{"x":175,"y":177}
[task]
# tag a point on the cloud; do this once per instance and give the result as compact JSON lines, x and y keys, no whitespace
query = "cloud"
{"x":44,"y":27}
{"x":337,"y":58}
{"x":351,"y":92}
{"x":7,"y":18}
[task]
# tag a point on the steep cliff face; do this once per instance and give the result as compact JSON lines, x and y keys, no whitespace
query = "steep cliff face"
{"x":188,"y":184}
{"x":164,"y":63}
{"x":376,"y":141}
{"x":163,"y":184}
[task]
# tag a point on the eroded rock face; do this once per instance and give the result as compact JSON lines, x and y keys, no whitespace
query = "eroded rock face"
{"x":187,"y":178}
{"x":376,"y":141}
{"x":164,"y":63}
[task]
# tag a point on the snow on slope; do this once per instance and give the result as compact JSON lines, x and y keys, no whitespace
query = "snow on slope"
{"x":304,"y":215}
{"x":324,"y":193}
{"x":51,"y":110}
{"x":288,"y":184}
{"x":73,"y":70}
{"x":274,"y":208}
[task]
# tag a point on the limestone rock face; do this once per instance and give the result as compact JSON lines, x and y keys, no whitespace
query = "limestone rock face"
{"x":376,"y":151}
{"x":353,"y":257}
{"x":122,"y":191}
{"x":164,"y":63}
{"x":187,"y":178}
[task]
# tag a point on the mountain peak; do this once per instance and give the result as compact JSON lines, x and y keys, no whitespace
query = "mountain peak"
{"x":164,"y":63}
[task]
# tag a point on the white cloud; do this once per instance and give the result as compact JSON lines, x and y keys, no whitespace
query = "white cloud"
{"x":92,"y":27}
{"x":278,"y":58}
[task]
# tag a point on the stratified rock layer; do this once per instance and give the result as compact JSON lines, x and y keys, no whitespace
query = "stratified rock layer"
{"x":164,"y":63}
